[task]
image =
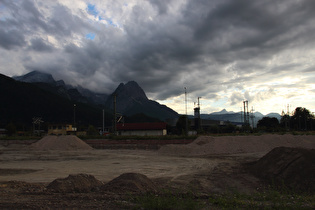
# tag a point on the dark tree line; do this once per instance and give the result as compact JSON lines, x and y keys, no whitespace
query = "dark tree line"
{"x":301,"y":120}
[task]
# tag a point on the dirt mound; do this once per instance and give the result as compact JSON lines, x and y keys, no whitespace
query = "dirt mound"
{"x":69,"y":142}
{"x":130,"y":182}
{"x":291,"y":167}
{"x":75,"y":183}
{"x":209,"y":145}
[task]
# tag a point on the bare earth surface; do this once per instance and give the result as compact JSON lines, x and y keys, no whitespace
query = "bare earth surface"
{"x":207,"y":165}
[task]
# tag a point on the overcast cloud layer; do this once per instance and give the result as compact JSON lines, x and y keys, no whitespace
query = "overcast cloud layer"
{"x":224,"y":51}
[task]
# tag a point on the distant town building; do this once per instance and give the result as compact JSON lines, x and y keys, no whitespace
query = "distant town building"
{"x":142,"y":129}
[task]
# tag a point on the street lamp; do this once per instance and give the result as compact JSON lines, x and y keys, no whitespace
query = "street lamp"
{"x":74,"y":105}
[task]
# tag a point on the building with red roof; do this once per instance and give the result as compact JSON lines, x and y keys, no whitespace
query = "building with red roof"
{"x":142,"y":129}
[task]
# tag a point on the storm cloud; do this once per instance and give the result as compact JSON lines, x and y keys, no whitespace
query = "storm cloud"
{"x":225,"y":51}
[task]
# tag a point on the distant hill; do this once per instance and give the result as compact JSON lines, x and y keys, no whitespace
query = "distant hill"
{"x":131,"y":100}
{"x":224,"y":115}
{"x":21,"y":101}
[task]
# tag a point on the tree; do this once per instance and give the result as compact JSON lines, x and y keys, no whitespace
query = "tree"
{"x":11,"y":129}
{"x":268,"y":123}
{"x":91,"y":131}
{"x":181,"y":124}
{"x":285,"y":121}
{"x":302,"y":119}
{"x":229,"y":128}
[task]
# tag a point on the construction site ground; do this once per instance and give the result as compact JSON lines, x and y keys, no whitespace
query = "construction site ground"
{"x":26,"y":172}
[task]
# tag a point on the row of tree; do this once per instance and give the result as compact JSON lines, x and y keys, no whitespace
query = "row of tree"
{"x":301,"y":120}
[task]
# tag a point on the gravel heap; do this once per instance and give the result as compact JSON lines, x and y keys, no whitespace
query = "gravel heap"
{"x":131,"y":183}
{"x":209,"y":145}
{"x":69,"y":142}
{"x":125,"y":183}
{"x":75,"y":183}
{"x":290,"y":167}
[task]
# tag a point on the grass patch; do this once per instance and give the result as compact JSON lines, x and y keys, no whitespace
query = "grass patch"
{"x":269,"y":199}
{"x":266,"y":199}
{"x":167,"y":200}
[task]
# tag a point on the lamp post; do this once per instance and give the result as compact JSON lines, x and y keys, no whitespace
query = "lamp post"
{"x":74,"y":105}
{"x":103,"y":122}
{"x":312,"y":118}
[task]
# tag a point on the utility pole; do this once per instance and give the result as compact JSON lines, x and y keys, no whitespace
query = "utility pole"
{"x":115,"y":125}
{"x":197,"y":116}
{"x":186,"y":120}
{"x":74,"y":105}
{"x":252,"y":116}
{"x":246,"y":114}
{"x":103,"y":122}
{"x":185,"y":100}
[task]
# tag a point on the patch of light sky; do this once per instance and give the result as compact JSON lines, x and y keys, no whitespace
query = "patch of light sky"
{"x":101,"y":15}
{"x":90,"y":36}
{"x":206,"y":105}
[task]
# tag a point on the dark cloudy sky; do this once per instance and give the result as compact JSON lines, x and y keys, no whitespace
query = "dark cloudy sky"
{"x":224,"y":51}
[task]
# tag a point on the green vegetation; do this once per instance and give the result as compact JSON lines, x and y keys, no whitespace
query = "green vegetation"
{"x":181,"y":125}
{"x":267,"y":199}
{"x":269,"y":124}
{"x":302,"y":120}
{"x":166,"y":200}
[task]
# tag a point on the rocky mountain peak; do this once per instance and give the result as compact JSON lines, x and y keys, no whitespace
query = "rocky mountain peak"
{"x":130,"y":90}
{"x":223,"y":111}
{"x":36,"y":76}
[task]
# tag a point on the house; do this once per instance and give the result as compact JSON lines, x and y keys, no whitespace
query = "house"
{"x":61,"y":129}
{"x":3,"y":132}
{"x":142,"y":129}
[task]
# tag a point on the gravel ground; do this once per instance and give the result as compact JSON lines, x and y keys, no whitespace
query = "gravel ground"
{"x":207,"y":165}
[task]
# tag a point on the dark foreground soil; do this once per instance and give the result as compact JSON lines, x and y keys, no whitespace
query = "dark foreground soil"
{"x":120,"y":179}
{"x":83,"y":191}
{"x":22,"y":195}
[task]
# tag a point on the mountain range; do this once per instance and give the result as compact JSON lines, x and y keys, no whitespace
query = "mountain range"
{"x":130,"y":97}
{"x":20,"y":102}
{"x":38,"y":89}
{"x":47,"y":82}
{"x":231,"y":116}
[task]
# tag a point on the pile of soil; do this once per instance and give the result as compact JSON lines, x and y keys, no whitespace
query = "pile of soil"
{"x":209,"y":145}
{"x":290,"y":167}
{"x":131,"y":183}
{"x":69,"y":142}
{"x":75,"y":183}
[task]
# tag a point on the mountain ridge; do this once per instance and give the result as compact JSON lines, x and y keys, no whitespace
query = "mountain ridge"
{"x":47,"y":82}
{"x":231,"y":116}
{"x":131,"y":99}
{"x":21,"y":102}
